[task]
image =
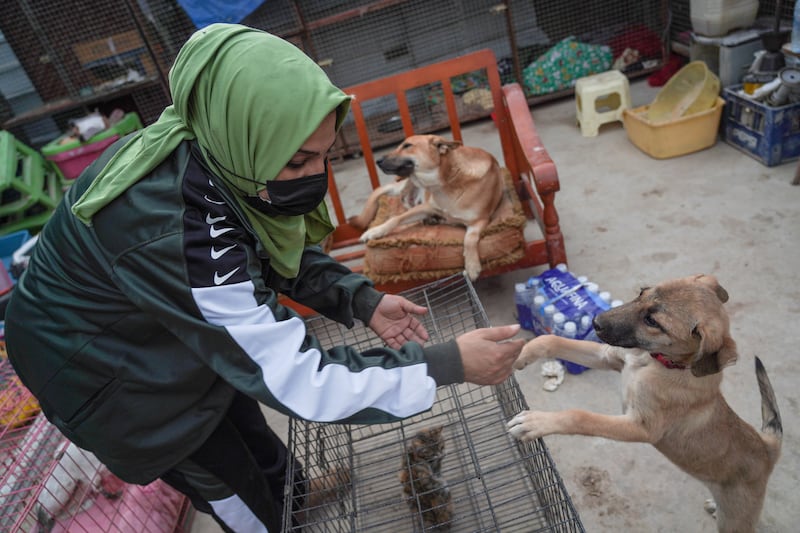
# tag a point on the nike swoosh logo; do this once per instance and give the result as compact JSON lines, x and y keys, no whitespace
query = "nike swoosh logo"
{"x":219,"y":280}
{"x":216,"y":254}
{"x":213,"y":220}
{"x":214,"y":232}
{"x":209,"y":200}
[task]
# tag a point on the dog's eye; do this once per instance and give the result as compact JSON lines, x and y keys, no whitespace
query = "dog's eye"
{"x":406,"y":145}
{"x":650,"y":321}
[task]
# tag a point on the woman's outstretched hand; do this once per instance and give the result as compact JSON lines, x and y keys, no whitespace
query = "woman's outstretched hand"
{"x":395,"y":321}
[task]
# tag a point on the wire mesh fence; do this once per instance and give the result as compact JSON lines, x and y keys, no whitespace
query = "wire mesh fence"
{"x":483,"y":479}
{"x":70,"y":58}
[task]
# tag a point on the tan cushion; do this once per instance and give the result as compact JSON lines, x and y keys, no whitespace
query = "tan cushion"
{"x":422,"y":252}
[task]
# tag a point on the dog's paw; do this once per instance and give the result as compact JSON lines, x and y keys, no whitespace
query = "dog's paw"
{"x":472,"y":268}
{"x":373,"y":233}
{"x":535,"y":349}
{"x":530,"y":425}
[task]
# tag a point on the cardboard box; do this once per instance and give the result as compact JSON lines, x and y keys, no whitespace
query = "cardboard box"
{"x":122,"y":48}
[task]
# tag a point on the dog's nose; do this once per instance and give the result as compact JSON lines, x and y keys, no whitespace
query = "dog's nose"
{"x":596,"y":324}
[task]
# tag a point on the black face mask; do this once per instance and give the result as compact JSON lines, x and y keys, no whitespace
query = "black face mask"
{"x":292,"y":197}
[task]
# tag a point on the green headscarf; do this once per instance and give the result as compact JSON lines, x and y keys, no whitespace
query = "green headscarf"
{"x":251,"y":100}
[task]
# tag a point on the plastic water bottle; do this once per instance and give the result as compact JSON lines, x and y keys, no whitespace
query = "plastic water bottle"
{"x":547,"y":319}
{"x":605,"y":296}
{"x":562,"y":267}
{"x":585,"y":328}
{"x":523,"y":298}
{"x":537,"y":314}
{"x":558,"y":323}
{"x":569,"y":330}
{"x":534,"y":283}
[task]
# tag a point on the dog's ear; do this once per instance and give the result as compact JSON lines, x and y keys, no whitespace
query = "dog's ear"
{"x":712,"y":283}
{"x":445,"y":146}
{"x":716,"y":351}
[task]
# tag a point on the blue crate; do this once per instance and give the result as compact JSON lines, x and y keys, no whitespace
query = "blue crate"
{"x":9,"y":244}
{"x":768,"y":134}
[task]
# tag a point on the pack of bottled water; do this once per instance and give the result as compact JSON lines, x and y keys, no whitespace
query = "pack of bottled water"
{"x":558,"y":302}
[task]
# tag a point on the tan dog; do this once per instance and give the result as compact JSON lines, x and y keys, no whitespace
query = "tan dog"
{"x":460,"y":184}
{"x":671,"y":344}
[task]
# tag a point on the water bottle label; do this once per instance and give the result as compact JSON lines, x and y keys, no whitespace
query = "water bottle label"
{"x":570,"y":297}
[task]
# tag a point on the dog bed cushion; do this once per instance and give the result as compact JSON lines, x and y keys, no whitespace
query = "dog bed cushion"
{"x":423,"y":252}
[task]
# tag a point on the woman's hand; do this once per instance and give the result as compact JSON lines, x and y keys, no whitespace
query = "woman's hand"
{"x":489,"y":353}
{"x":395,"y":321}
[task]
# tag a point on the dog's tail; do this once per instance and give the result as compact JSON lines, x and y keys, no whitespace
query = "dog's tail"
{"x":770,"y":416}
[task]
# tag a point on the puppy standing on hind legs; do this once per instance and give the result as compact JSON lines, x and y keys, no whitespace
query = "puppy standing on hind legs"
{"x":670,"y":345}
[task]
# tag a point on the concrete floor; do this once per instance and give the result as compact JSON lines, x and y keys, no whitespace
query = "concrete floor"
{"x":630,"y":220}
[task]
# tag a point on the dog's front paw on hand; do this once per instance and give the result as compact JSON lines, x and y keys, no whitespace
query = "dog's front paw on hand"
{"x":530,"y":425}
{"x":535,"y":349}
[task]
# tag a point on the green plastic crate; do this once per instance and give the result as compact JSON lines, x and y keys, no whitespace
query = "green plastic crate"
{"x":129,"y":123}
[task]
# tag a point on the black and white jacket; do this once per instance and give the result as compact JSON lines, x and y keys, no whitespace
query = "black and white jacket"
{"x":135,"y":332}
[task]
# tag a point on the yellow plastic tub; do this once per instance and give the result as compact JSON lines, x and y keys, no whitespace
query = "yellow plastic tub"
{"x":681,"y":136}
{"x":691,"y":90}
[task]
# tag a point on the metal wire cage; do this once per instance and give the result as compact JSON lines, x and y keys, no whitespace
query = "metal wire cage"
{"x":49,"y":484}
{"x":496,"y":483}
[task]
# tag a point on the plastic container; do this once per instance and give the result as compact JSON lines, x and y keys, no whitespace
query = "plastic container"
{"x":570,"y":331}
{"x":677,"y":137}
{"x":767,"y":134}
{"x":794,"y":45}
{"x":547,"y":318}
{"x":72,"y":162}
{"x":8,"y":245}
{"x":693,"y":89}
{"x":6,"y":284}
{"x":130,"y":122}
{"x":559,"y":319}
{"x":523,"y":298}
{"x":73,"y":157}
{"x":714,"y":18}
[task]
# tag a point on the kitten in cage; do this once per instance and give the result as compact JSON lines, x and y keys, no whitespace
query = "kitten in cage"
{"x":425,"y":489}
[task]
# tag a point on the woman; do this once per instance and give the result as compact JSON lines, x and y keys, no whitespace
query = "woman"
{"x":147,"y":323}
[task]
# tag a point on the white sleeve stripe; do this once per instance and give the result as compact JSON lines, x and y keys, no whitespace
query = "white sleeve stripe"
{"x":295,"y":379}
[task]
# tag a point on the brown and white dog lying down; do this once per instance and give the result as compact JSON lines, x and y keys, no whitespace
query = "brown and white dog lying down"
{"x":459,"y":184}
{"x":671,"y":344}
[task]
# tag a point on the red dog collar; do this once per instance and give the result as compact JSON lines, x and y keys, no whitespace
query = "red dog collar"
{"x":667,"y":362}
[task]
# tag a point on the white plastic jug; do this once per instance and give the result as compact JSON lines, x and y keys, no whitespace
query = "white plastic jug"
{"x":714,"y":18}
